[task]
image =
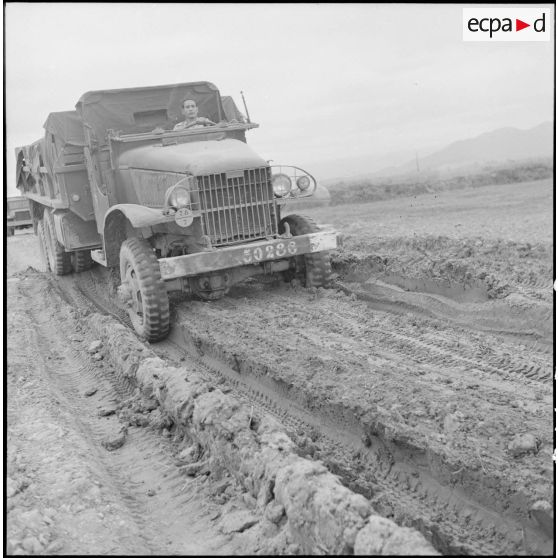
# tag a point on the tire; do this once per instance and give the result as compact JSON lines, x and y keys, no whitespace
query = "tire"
{"x":314,"y":270}
{"x":11,"y":231}
{"x":45,"y":266}
{"x":144,"y":290}
{"x":59,"y":260}
{"x":81,"y":260}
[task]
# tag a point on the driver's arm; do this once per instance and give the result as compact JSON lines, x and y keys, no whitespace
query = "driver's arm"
{"x":205,"y":121}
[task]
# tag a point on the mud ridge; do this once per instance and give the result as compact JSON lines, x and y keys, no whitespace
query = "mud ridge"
{"x":321,"y":515}
{"x":468,"y":269}
{"x":101,"y":401}
{"x":459,"y":509}
{"x":364,"y":462}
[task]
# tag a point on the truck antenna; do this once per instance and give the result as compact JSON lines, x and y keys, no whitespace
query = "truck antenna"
{"x":245,"y":107}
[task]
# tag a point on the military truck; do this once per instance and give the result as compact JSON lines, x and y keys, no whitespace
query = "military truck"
{"x":18,"y":215}
{"x":193,"y":210}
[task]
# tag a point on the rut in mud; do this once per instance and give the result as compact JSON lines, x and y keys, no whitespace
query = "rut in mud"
{"x":107,"y":485}
{"x":416,"y":416}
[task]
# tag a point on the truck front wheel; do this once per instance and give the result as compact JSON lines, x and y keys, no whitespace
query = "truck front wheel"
{"x":143,"y":290}
{"x":314,"y":270}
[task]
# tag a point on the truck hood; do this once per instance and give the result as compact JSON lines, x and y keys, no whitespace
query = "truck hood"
{"x":197,"y":158}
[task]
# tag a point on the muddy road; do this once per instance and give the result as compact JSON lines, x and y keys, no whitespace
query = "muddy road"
{"x":423,"y":380}
{"x":81,"y":479}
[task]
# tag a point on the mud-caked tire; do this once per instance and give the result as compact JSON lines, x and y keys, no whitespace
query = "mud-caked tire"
{"x":143,"y":290}
{"x":58,"y":259}
{"x":81,"y":260}
{"x":45,"y":266}
{"x":313,"y":270}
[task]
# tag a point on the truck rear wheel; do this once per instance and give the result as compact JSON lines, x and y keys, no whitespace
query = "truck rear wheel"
{"x":143,"y":289}
{"x":45,"y":266}
{"x":58,"y":259}
{"x":314,"y":270}
{"x":81,"y":260}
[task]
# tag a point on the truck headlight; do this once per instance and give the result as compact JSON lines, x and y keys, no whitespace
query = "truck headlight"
{"x":281,"y":185}
{"x":179,"y":197}
{"x":303,"y":183}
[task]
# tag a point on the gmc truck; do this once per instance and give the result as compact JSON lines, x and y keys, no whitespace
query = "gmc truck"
{"x":18,"y":215}
{"x":194,"y":210}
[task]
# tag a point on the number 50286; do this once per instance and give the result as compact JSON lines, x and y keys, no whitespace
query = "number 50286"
{"x":269,"y":252}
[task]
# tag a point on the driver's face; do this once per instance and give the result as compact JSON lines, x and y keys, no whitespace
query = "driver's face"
{"x":189,"y":109}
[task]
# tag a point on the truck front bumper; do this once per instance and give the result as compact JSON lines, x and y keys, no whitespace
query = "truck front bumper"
{"x":254,"y":253}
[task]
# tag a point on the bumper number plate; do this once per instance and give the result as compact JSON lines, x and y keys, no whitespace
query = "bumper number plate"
{"x":269,"y":252}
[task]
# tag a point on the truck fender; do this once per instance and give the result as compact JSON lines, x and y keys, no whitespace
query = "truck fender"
{"x":138,"y":215}
{"x":121,"y":221}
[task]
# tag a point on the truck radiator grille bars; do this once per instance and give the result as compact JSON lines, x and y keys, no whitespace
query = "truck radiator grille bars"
{"x":237,"y":206}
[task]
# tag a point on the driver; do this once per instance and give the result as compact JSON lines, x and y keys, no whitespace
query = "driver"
{"x":191,"y":118}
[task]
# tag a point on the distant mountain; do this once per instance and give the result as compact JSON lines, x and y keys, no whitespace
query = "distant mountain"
{"x":499,"y":145}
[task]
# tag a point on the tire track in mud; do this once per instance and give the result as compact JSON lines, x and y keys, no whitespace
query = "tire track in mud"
{"x":438,"y":350}
{"x":443,"y":351}
{"x":331,"y":439}
{"x":88,"y":291}
{"x":478,"y":486}
{"x":143,"y":472}
{"x":447,"y":349}
{"x":332,"y":444}
{"x":388,"y":473}
{"x":385,"y":473}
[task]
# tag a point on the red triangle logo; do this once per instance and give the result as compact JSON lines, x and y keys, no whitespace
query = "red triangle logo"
{"x":519,"y":25}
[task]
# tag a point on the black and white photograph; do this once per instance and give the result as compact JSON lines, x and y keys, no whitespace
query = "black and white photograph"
{"x":278,"y":279}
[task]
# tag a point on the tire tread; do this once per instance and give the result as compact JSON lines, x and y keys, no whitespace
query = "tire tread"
{"x":156,"y":315}
{"x":317,"y":266}
{"x":62,"y":264}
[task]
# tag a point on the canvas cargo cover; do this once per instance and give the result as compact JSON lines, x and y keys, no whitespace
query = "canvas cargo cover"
{"x":63,"y":135}
{"x":66,"y":126}
{"x":141,"y":109}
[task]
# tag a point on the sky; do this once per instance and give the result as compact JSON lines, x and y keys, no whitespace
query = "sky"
{"x":338,"y":89}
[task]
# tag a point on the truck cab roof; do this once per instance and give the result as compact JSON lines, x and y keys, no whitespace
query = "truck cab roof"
{"x":141,"y":109}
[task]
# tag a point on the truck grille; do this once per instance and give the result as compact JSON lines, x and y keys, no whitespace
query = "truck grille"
{"x":237,"y":206}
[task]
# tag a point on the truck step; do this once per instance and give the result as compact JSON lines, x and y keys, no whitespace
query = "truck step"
{"x":99,"y":257}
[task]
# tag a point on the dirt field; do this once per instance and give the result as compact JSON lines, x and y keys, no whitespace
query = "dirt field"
{"x":422,"y":379}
